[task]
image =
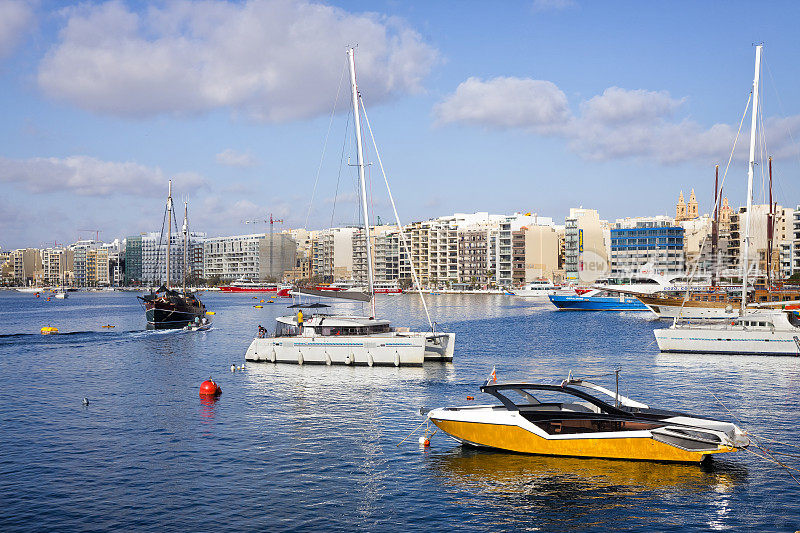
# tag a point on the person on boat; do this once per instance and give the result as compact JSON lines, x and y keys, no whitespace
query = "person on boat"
{"x":300,"y":321}
{"x":261,"y":332}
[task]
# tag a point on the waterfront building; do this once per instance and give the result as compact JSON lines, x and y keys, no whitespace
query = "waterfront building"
{"x":154,"y":257}
{"x":476,"y":256}
{"x":257,"y":257}
{"x":26,"y":262}
{"x":332,"y":254}
{"x":510,"y":248}
{"x":133,"y":260}
{"x":541,"y":249}
{"x":642,"y":243}
{"x":783,"y":232}
{"x":586,"y":246}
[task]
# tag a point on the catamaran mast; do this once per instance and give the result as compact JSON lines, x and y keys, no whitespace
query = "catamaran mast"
{"x":185,"y":240}
{"x":169,"y":227}
{"x":360,"y":161}
{"x":750,"y":170}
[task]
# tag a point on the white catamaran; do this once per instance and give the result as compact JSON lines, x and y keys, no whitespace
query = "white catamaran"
{"x":752,"y":332}
{"x":351,"y":340}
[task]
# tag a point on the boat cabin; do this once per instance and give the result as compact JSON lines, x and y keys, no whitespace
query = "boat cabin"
{"x":327,"y":326}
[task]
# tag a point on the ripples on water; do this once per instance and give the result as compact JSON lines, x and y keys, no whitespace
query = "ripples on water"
{"x":292,"y":448}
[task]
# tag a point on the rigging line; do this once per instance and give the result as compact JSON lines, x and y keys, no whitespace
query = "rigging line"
{"x":771,"y":459}
{"x":325,"y":145}
{"x":414,"y":277}
{"x":160,"y":237}
{"x":719,"y":198}
{"x":773,"y":440}
{"x":341,"y":159}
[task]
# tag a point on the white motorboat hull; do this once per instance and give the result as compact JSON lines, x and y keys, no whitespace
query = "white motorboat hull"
{"x":394,"y":350}
{"x":693,"y":313}
{"x":534,"y":295}
{"x":716,"y":341}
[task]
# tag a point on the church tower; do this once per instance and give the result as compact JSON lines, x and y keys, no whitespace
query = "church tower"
{"x":692,"y":207}
{"x":680,"y":209}
{"x":725,"y":216}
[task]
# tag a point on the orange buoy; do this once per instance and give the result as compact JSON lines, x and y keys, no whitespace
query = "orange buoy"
{"x":209,"y":388}
{"x":427,"y":442}
{"x":470,"y":397}
{"x":262,"y":301}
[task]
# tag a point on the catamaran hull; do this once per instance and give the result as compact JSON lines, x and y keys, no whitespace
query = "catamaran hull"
{"x":440,"y":347}
{"x":391,"y":351}
{"x":748,"y":342}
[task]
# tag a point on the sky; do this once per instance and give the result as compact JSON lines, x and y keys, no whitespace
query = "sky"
{"x":529,"y":106}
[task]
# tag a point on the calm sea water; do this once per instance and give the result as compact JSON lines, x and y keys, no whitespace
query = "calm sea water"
{"x":315,"y":448}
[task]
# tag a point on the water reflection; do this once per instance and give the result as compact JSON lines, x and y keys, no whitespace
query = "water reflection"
{"x":567,"y":490}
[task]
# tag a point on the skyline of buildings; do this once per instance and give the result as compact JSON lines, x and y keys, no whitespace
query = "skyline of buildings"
{"x":456,"y":251}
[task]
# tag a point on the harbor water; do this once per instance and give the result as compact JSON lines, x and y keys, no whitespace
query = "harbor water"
{"x":310,"y":448}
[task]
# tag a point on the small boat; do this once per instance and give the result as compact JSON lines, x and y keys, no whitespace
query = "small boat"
{"x":246,"y":285}
{"x":538,"y":289}
{"x":201,"y":325}
{"x":258,"y":306}
{"x":49,"y":330}
{"x":107,"y":326}
{"x":597,"y":300}
{"x":566,"y":420}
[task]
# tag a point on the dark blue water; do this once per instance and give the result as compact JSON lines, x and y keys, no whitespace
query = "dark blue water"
{"x":315,"y":448}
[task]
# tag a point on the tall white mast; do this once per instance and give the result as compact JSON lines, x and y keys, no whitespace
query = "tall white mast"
{"x":185,"y":241}
{"x":750,"y":170}
{"x":360,"y":161}
{"x":169,"y":227}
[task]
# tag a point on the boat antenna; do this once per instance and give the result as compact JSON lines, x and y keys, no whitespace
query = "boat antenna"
{"x":362,"y":181}
{"x":750,"y":169}
{"x":169,"y":227}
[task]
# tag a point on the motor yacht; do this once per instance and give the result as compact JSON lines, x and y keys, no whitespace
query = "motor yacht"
{"x":538,"y":289}
{"x":597,"y":300}
{"x":568,"y":419}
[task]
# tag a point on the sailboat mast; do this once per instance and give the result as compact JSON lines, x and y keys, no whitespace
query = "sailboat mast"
{"x":715,"y":229}
{"x":750,"y":171}
{"x":185,"y":241}
{"x":169,"y":227}
{"x":362,"y":181}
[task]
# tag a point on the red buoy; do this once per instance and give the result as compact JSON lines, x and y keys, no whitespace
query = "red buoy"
{"x":209,"y":388}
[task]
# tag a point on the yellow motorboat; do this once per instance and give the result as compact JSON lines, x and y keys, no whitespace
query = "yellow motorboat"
{"x":49,"y":330}
{"x":258,"y":306}
{"x":566,"y":420}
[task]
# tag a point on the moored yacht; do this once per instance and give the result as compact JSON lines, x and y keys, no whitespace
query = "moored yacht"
{"x":567,"y":420}
{"x":350,"y":340}
{"x":538,"y":289}
{"x":597,"y":300}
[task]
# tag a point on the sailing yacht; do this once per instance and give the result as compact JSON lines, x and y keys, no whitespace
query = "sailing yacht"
{"x":166,"y":308}
{"x":752,"y":332}
{"x":320,"y":338}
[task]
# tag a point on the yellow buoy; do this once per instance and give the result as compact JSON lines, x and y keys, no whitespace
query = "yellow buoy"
{"x":258,"y":306}
{"x":49,"y":330}
{"x":210,"y":312}
{"x":262,"y":301}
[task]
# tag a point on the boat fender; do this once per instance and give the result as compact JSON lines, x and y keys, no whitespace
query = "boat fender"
{"x":273,"y":356}
{"x":242,"y":368}
{"x":370,"y":360}
{"x":327,"y":358}
{"x":209,"y":388}
{"x":424,"y":441}
{"x":396,"y":358}
{"x":299,"y":357}
{"x":348,"y":360}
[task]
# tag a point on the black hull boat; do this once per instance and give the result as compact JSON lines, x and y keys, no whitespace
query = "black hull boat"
{"x":167,"y":309}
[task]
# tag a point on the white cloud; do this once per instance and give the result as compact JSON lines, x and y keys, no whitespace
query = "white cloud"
{"x":271,"y":60}
{"x":617,"y":106}
{"x":15,"y":18}
{"x":552,"y":5}
{"x":617,"y":124}
{"x":232,"y":158}
{"x":88,"y":176}
{"x":506,"y":103}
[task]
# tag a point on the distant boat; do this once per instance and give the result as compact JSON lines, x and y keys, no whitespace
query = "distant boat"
{"x":246,"y":285}
{"x":597,"y":300}
{"x":166,"y":308}
{"x":538,"y":289}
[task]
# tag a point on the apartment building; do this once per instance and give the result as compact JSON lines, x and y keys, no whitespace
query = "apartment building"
{"x":647,"y":242}
{"x":587,"y":245}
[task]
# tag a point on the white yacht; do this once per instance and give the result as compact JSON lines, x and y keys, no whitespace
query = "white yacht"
{"x":538,"y":289}
{"x":748,"y":331}
{"x":351,"y":340}
{"x":764,"y":332}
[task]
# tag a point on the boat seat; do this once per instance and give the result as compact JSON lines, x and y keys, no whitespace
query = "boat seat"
{"x":579,"y":408}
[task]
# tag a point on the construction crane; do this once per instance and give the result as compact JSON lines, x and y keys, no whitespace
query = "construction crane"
{"x":97,"y":233}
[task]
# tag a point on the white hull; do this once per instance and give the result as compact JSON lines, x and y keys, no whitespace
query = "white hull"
{"x":61,"y":295}
{"x":728,"y":341}
{"x":534,"y":295}
{"x":410,"y":349}
{"x":693,"y":313}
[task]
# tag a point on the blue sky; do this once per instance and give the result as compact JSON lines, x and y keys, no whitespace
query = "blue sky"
{"x":476,"y":106}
